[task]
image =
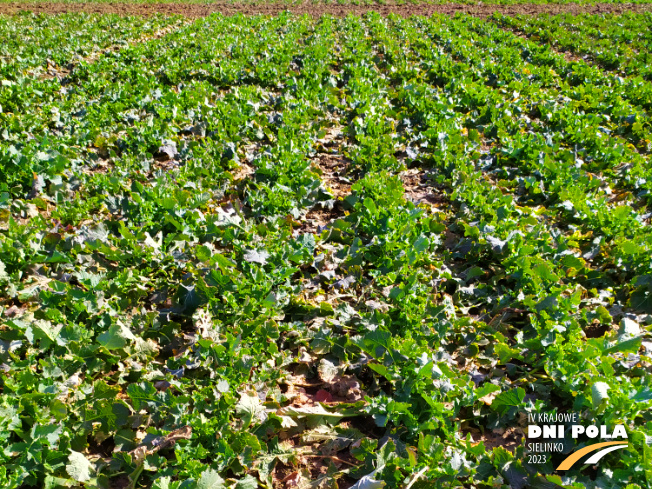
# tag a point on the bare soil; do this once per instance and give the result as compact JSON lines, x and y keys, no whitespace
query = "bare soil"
{"x":226,"y":8}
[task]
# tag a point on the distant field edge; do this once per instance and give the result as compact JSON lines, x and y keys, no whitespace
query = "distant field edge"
{"x":194,"y":8}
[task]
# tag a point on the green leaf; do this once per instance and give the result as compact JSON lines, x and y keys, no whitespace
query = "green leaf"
{"x":142,"y":394}
{"x":641,"y":299}
{"x":421,"y":244}
{"x":45,"y":331}
{"x":4,"y":276}
{"x":509,"y":399}
{"x":164,"y":483}
{"x":628,"y":328}
{"x":101,"y":390}
{"x":599,"y":393}
{"x":58,"y":409}
{"x":544,"y":271}
{"x":631,"y":248}
{"x":79,"y":468}
{"x":474,"y":272}
{"x":48,"y":432}
{"x":643,"y":394}
{"x":57,"y":257}
{"x":248,"y":482}
{"x":210,"y":479}
{"x":169,"y":203}
{"x":117,"y":337}
{"x":376,"y":343}
{"x":505,"y":353}
{"x":630,"y":345}
{"x":254,"y":256}
{"x":604,"y":315}
{"x":370,"y":205}
{"x":203,"y":253}
{"x":384,"y":371}
{"x":249,"y":407}
{"x":570,"y":261}
{"x":486,"y":389}
{"x":222,"y":262}
{"x":57,"y":483}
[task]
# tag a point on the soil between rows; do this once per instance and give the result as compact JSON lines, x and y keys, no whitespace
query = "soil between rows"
{"x":228,"y":8}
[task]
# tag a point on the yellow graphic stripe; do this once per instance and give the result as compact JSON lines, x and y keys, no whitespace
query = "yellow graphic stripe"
{"x":574,"y":457}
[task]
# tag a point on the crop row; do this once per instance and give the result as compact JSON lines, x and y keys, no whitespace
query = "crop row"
{"x":54,"y":41}
{"x":617,"y":43}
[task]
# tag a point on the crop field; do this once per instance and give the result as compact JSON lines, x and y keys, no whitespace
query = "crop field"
{"x":289,"y":3}
{"x":317,"y":8}
{"x":243,"y":252}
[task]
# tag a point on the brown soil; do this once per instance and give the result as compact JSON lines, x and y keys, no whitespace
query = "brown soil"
{"x":318,"y":218}
{"x":508,"y":439}
{"x":596,"y":330}
{"x":222,"y":6}
{"x":331,"y":166}
{"x":332,"y":169}
{"x":419,"y":191}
